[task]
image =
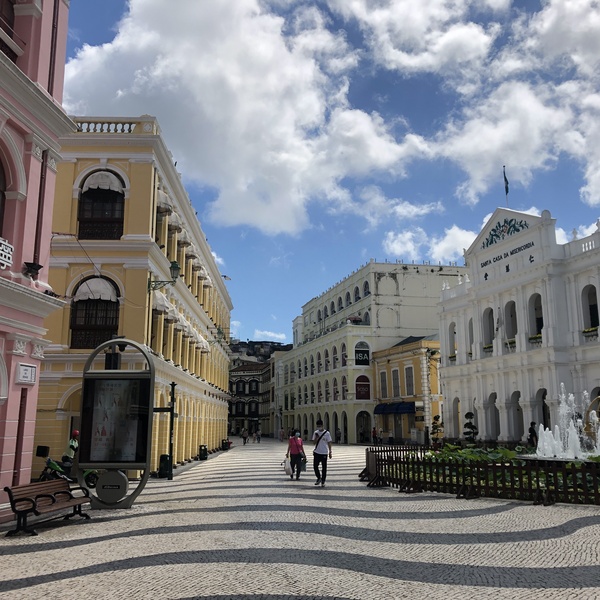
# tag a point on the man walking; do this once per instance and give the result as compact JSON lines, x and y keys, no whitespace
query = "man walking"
{"x":322,"y":440}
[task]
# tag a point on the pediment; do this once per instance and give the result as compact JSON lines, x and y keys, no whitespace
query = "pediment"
{"x":504,"y":225}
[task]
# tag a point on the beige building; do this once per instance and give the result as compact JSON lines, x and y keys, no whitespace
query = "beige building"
{"x":130,"y":259}
{"x":407,"y":390}
{"x":329,"y":372}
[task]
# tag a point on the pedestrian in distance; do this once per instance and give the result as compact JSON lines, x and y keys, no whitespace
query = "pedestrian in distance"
{"x":322,"y":440}
{"x":338,"y":436}
{"x":295,"y":453}
{"x":258,"y":435}
{"x":281,"y":434}
{"x":254,"y":438}
{"x":374,"y":435}
{"x":245,"y":435}
{"x":532,"y":438}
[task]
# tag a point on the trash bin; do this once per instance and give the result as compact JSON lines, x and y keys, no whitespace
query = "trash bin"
{"x":164,"y":465}
{"x":224,"y":444}
{"x":203,"y":452}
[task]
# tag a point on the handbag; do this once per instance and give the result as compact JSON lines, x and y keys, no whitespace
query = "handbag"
{"x":287,"y":467}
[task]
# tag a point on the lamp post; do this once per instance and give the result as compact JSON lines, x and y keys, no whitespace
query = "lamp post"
{"x":174,"y":269}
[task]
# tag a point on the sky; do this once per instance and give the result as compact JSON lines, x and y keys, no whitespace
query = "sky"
{"x":315,"y":135}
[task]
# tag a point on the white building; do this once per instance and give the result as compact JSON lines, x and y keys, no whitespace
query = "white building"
{"x":524,"y":321}
{"x":328,"y":373}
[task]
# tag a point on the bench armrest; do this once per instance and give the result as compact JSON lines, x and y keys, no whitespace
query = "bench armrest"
{"x":22,"y":505}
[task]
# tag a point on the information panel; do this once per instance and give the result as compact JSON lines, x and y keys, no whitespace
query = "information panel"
{"x":114,"y":421}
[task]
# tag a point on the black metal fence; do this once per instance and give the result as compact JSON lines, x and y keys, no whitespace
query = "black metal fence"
{"x":419,"y":469}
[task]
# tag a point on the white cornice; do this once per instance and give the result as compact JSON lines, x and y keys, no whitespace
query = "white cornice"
{"x":33,"y":302}
{"x":39,"y":106}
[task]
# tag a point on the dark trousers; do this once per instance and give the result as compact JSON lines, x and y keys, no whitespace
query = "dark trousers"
{"x":318,"y":460}
{"x":296,"y":464}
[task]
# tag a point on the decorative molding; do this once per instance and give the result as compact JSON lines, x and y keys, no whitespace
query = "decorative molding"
{"x":503,"y":230}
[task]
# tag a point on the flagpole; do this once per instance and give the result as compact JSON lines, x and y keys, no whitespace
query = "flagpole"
{"x":505,"y":184}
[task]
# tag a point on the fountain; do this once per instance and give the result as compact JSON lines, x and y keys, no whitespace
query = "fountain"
{"x":569,"y":440}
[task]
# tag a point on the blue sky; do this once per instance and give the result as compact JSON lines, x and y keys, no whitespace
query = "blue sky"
{"x":315,"y":135}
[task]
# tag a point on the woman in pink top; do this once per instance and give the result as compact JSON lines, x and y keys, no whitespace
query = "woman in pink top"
{"x":295,"y":452}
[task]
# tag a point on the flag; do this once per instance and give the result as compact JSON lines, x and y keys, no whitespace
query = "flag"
{"x":505,"y":180}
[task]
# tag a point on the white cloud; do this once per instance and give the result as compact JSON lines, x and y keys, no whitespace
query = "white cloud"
{"x":269,"y":335}
{"x":451,"y":246}
{"x":234,"y":328}
{"x":406,"y":244}
{"x":250,"y":104}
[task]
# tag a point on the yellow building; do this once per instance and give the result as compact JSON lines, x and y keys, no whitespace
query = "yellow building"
{"x":122,"y":222}
{"x":407,"y":389}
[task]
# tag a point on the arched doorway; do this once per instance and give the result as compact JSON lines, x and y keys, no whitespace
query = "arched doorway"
{"x":363,"y":426}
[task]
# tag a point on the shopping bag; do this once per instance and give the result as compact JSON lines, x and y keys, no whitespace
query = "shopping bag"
{"x":287,"y":467}
{"x":303,"y":465}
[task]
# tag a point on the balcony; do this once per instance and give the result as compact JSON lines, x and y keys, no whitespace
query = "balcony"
{"x":590,"y":334}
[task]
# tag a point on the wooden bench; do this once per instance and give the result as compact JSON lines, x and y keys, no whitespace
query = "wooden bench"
{"x":44,"y":498}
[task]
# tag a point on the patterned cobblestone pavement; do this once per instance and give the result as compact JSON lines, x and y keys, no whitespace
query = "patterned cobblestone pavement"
{"x":235,"y":526}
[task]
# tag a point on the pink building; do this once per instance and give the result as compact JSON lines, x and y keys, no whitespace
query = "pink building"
{"x":32,"y":59}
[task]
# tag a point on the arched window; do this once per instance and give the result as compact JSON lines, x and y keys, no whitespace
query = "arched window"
{"x":305,"y":368}
{"x":326,"y":391}
{"x":344,"y":355}
{"x":366,"y":318}
{"x":334,"y":353}
{"x":299,"y":370}
{"x":332,"y":308}
{"x":510,"y":320}
{"x":319,"y":392}
{"x":312,"y":393}
{"x":536,"y":316}
{"x":489,"y":326}
{"x":366,"y":290}
{"x":319,"y":318}
{"x":325,"y":313}
{"x":340,"y":304}
{"x":363,"y":388}
{"x":356,"y":294}
{"x":319,"y":362}
{"x":94,"y":313}
{"x":589,"y":305}
{"x":348,"y":299}
{"x":326,"y":360}
{"x":305,"y":395}
{"x":312,"y":364}
{"x":101,"y":207}
{"x":299,"y":395}
{"x":335,"y":389}
{"x":286,"y":375}
{"x":344,"y":388}
{"x":240,"y":387}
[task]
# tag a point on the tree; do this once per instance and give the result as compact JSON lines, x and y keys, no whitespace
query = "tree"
{"x":471,"y":430}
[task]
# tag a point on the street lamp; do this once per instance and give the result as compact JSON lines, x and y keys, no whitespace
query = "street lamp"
{"x":174,"y":269}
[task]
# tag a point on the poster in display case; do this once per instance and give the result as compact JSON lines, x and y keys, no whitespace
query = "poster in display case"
{"x":114,"y":425}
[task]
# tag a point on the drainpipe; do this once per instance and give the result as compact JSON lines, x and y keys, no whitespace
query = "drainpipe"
{"x":53,"y":44}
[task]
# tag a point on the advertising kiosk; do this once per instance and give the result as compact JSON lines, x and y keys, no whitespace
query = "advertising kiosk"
{"x":116,"y":424}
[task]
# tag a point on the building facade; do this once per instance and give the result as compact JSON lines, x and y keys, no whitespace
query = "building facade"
{"x":250,"y":392}
{"x":130,"y":259}
{"x":32,"y":58}
{"x":328,"y":374}
{"x":522,"y":323}
{"x":407,"y":390}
